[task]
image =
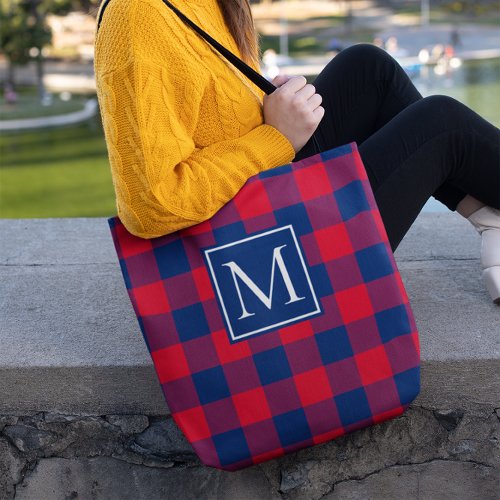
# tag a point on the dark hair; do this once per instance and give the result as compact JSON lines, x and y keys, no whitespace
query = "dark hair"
{"x":238,"y":18}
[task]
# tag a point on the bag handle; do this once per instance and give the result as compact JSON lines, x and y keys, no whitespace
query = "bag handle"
{"x":259,"y":80}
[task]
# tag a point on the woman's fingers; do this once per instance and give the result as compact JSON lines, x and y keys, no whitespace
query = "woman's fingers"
{"x":279,"y":80}
{"x":315,"y":101}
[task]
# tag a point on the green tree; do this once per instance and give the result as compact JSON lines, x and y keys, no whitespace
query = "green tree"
{"x":24,"y":31}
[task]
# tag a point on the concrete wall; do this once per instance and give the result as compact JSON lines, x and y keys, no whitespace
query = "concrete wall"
{"x":82,"y":414}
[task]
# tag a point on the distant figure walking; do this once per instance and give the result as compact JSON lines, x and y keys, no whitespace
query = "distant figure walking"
{"x":9,"y":95}
{"x":455,"y":39}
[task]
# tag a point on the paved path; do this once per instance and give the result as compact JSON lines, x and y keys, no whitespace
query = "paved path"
{"x":87,"y":112}
{"x":475,"y":40}
{"x":476,"y":43}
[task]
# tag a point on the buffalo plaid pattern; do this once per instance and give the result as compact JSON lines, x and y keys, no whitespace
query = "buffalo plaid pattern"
{"x":352,"y":362}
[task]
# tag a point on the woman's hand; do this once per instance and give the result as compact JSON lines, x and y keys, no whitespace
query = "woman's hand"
{"x":294,"y":109}
{"x":279,"y":80}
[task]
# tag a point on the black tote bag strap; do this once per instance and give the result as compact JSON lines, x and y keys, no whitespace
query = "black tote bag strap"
{"x":259,"y":80}
{"x":265,"y":85}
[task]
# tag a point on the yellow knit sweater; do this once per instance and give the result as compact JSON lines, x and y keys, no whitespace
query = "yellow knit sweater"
{"x":184,"y":129}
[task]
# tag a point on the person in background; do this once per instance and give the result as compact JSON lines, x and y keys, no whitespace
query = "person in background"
{"x":9,"y":94}
{"x":455,"y":39}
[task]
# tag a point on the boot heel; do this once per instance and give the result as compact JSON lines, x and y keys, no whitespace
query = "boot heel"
{"x":491,"y":277}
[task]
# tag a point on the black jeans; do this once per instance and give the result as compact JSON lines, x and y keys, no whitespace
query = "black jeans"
{"x":412,"y":147}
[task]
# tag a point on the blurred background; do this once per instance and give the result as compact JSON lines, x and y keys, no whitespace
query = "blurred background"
{"x":53,"y":158}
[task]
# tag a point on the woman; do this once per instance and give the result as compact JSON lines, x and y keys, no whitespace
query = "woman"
{"x":185,"y":130}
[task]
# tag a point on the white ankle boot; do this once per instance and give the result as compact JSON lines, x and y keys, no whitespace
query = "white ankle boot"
{"x":486,"y":220}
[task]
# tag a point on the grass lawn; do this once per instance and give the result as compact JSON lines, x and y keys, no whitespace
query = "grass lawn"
{"x":56,"y":172}
{"x":28,"y":105}
{"x":64,"y":172}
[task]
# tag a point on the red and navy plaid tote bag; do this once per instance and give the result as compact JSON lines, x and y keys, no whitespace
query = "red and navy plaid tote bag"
{"x":282,"y":322}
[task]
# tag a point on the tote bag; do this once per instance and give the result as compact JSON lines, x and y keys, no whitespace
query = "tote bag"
{"x":280,"y":323}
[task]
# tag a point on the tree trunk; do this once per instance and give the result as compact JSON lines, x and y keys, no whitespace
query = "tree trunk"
{"x":39,"y":75}
{"x":39,"y":57}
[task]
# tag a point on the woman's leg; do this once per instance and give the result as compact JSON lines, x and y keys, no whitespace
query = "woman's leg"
{"x":433,"y":141}
{"x":363,"y":89}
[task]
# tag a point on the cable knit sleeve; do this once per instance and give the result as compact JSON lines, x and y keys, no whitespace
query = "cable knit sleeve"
{"x":150,"y":109}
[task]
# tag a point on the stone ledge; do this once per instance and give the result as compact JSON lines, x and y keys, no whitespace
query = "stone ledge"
{"x":71,"y":342}
{"x":426,"y":453}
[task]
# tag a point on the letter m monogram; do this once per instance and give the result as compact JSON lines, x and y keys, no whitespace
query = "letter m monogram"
{"x":262,"y":282}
